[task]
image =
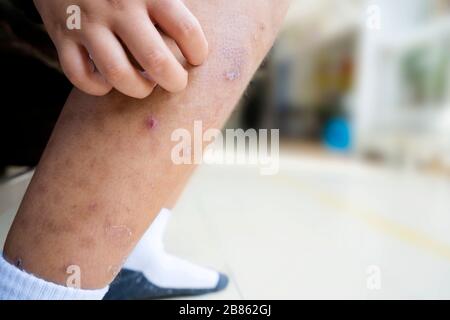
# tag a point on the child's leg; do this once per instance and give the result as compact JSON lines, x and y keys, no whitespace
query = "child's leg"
{"x":107,"y":170}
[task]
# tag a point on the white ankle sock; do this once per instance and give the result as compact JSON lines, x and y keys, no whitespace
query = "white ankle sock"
{"x":163,"y":269}
{"x":19,"y":285}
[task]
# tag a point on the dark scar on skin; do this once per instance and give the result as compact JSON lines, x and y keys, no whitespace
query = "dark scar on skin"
{"x":19,"y":263}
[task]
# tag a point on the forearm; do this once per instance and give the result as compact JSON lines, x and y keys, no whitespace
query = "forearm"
{"x":107,"y":169}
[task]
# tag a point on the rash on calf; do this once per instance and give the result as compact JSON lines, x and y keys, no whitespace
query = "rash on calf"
{"x":235,"y":60}
{"x":118,"y":235}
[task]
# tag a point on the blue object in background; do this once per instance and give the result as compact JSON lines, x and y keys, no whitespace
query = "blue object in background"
{"x":337,"y":134}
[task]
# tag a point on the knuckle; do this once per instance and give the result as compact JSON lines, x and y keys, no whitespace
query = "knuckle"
{"x":187,"y":28}
{"x":115,"y":72}
{"x":156,"y":60}
{"x":58,"y":30}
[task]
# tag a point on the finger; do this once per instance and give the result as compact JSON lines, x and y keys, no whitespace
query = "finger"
{"x":148,"y":48}
{"x":181,"y":25}
{"x":112,"y":62}
{"x":78,"y":68}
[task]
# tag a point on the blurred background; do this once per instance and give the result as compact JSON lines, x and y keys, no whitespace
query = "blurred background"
{"x":360,"y":91}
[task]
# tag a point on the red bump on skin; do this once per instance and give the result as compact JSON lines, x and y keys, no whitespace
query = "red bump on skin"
{"x":151,"y":123}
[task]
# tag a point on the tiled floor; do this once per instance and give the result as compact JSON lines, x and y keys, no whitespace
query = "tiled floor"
{"x":321,"y":228}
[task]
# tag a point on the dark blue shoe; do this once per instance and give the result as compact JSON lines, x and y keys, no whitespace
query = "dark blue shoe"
{"x":133,"y":285}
